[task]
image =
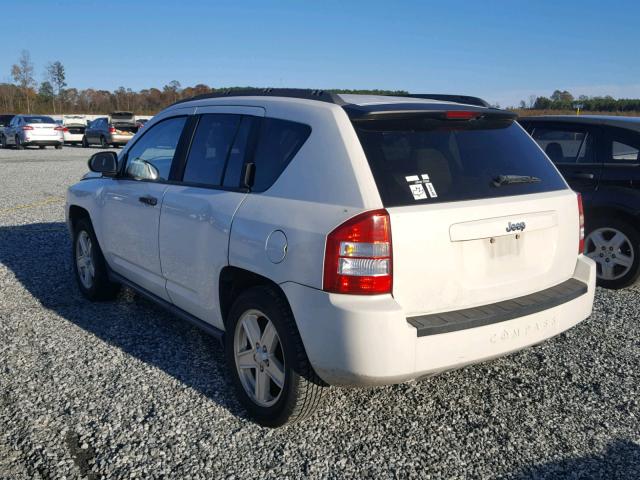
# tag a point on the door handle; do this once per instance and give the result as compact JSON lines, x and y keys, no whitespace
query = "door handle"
{"x":149,"y":200}
{"x":582,"y":176}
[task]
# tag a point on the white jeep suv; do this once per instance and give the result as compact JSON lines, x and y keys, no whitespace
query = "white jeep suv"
{"x":337,"y":239}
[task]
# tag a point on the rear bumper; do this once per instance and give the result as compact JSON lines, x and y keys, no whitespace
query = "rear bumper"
{"x":42,"y":142}
{"x":354,"y":340}
{"x":73,"y":137}
{"x":119,"y":139}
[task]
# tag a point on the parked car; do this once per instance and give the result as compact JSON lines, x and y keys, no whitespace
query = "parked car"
{"x":74,"y":127}
{"x":4,"y":121}
{"x":36,"y":130}
{"x":140,"y":122}
{"x":598,"y":155}
{"x":115,"y":130}
{"x":336,"y":239}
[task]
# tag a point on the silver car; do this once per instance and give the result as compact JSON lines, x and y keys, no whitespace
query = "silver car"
{"x":115,"y":130}
{"x":37,"y":130}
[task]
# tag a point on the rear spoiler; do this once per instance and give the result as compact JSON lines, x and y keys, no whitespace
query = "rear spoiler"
{"x":412,"y":116}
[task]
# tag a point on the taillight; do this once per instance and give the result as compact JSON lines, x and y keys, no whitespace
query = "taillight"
{"x":358,"y":255}
{"x":27,"y":127}
{"x":61,"y":129}
{"x":581,"y":227}
{"x":112,"y":130}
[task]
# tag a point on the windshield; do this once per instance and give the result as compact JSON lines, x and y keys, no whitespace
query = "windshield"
{"x":446,"y":164}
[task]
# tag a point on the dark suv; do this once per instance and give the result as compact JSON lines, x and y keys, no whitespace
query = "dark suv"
{"x":598,"y":156}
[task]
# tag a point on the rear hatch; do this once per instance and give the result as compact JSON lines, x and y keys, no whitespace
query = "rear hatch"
{"x":478,"y":213}
{"x":42,"y":126}
{"x":75,"y":124}
{"x":124,"y":123}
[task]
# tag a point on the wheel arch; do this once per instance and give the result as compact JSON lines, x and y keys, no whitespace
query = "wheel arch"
{"x":76,"y":213}
{"x":234,"y":280}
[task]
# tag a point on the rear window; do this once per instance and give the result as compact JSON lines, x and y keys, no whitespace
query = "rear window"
{"x":413,"y":166}
{"x":38,"y":120}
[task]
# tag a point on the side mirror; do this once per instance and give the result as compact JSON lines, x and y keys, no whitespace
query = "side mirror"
{"x":105,"y":163}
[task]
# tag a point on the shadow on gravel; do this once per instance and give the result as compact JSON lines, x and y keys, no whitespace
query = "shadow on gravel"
{"x":620,"y":460}
{"x":39,"y":256}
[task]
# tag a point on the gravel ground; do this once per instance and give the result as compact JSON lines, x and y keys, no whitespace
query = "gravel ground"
{"x":123,"y":389}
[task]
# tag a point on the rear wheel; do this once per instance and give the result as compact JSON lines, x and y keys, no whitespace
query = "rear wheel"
{"x":19,"y":145}
{"x":41,"y":147}
{"x":89,"y":264}
{"x":270,"y":369}
{"x":614,"y":244}
{"x":85,"y":144}
{"x":59,"y":146}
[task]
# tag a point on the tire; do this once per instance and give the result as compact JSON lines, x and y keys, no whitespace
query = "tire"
{"x":41,"y":147}
{"x":3,"y":142}
{"x":103,"y":143}
{"x":302,"y":391}
{"x":85,"y":144}
{"x":19,"y":145}
{"x":99,"y":287}
{"x":614,"y":244}
{"x":59,"y":147}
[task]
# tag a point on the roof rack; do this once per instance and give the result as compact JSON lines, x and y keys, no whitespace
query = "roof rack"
{"x":304,"y":93}
{"x":326,"y":96}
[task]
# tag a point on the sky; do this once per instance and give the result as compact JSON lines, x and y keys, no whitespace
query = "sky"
{"x":503,"y":51}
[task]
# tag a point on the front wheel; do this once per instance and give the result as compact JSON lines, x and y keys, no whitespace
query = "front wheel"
{"x":614,"y":244}
{"x":271,"y":372}
{"x":90,"y":265}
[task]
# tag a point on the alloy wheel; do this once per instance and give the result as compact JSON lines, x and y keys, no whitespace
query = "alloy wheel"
{"x":612,"y":251}
{"x":84,"y":259}
{"x":259,"y":358}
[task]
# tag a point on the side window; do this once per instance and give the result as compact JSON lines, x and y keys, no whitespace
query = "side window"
{"x":210,"y":149}
{"x":565,"y":144}
{"x":151,"y":156}
{"x":279,"y":142}
{"x":624,"y":146}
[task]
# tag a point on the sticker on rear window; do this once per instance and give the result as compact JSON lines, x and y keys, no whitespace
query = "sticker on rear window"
{"x":417,"y":184}
{"x":418,"y":191}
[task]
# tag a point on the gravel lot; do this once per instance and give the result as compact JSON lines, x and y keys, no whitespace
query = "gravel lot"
{"x":123,"y":389}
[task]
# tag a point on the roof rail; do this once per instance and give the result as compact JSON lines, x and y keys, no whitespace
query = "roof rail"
{"x":326,"y":96}
{"x":304,"y":93}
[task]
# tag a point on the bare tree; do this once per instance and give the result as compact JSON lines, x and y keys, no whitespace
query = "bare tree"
{"x":56,"y":77}
{"x":22,"y":73}
{"x":532,"y":100}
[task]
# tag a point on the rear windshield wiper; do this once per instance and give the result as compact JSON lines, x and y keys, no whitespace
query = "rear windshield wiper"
{"x":512,"y":179}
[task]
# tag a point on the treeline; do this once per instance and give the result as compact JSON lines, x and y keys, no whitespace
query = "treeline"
{"x":52,"y":95}
{"x":564,"y":100}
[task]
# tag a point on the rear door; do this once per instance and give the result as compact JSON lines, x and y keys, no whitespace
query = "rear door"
{"x":461,"y":232}
{"x":574,"y":149}
{"x":197,"y":213}
{"x":132,"y":203}
{"x":621,"y":162}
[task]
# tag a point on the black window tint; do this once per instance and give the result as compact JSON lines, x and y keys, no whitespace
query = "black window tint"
{"x":565,"y":144}
{"x":622,"y":145}
{"x":151,"y":156}
{"x":210,"y":148}
{"x":279,"y":142}
{"x":235,"y":162}
{"x":450,"y":164}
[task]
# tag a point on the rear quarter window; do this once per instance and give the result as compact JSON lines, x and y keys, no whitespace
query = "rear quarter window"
{"x":448,"y":164}
{"x":278,"y":143}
